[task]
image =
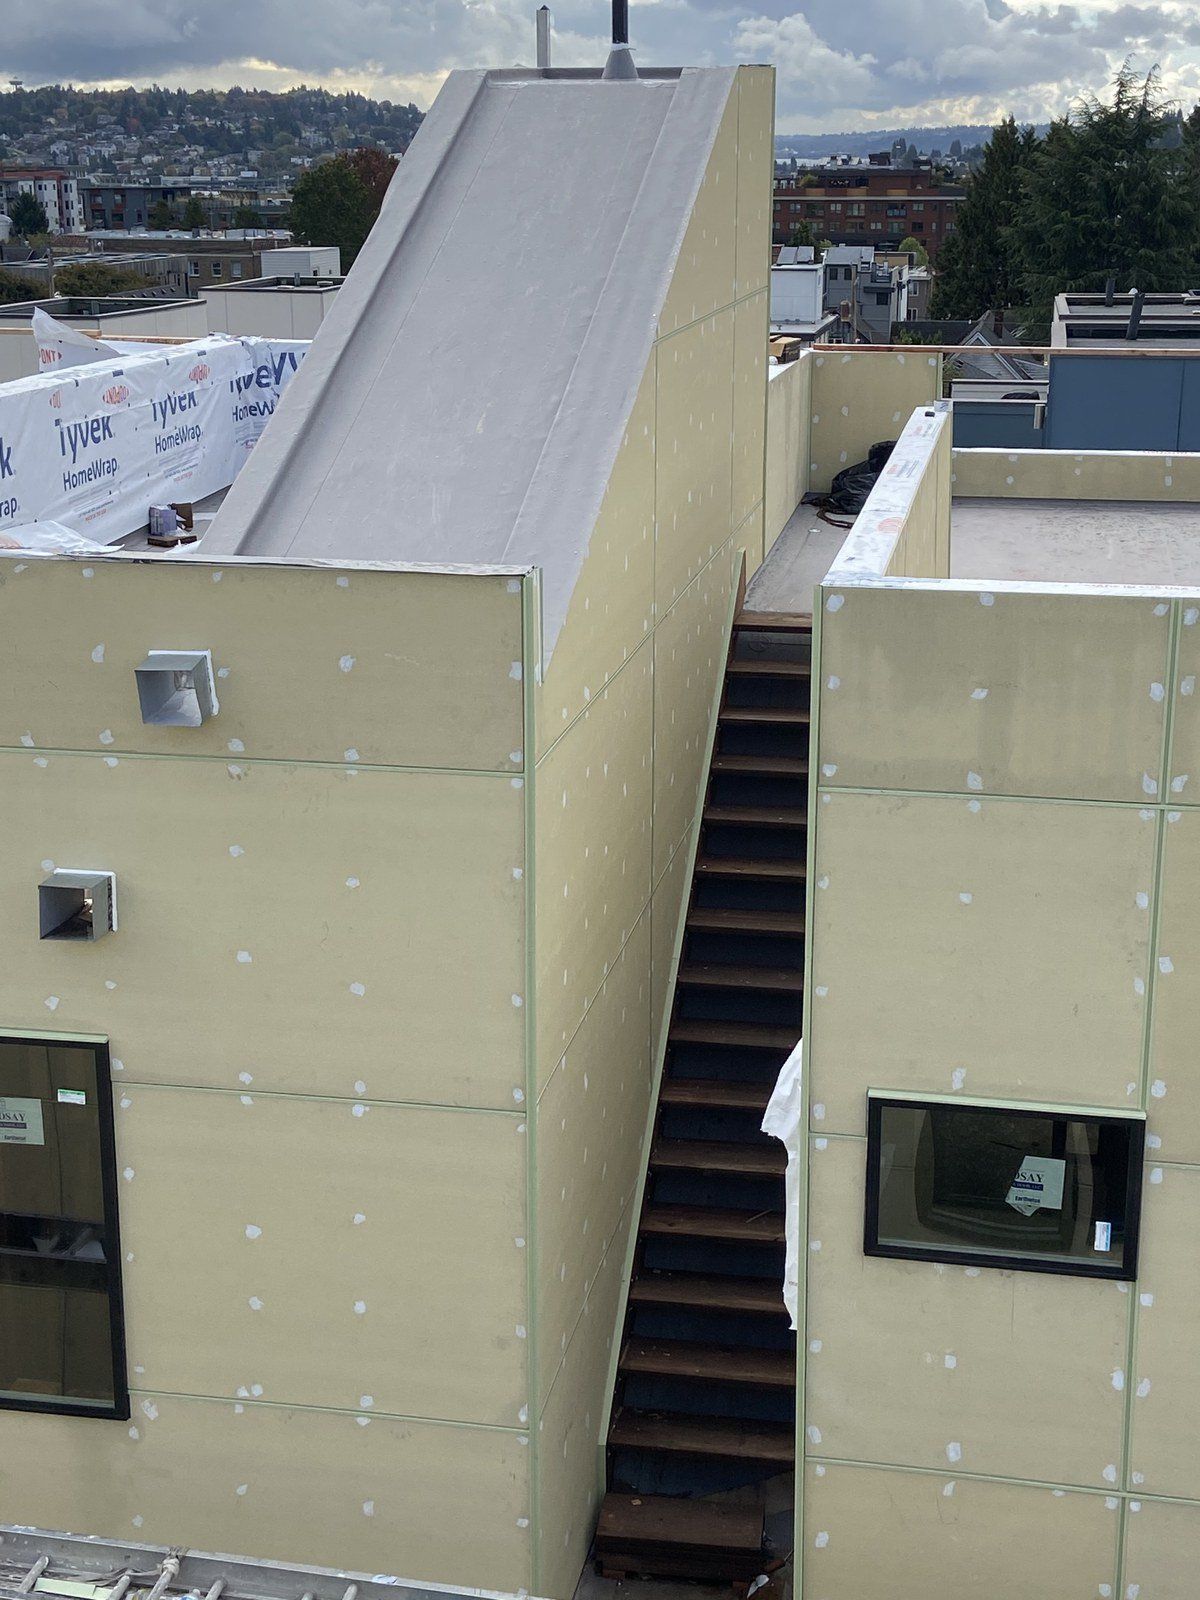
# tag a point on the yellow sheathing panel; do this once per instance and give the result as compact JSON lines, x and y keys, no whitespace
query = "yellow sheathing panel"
{"x":943,"y":1347}
{"x":1162,"y":1550}
{"x":706,"y":268}
{"x":750,"y":325}
{"x":593,"y":810}
{"x":689,"y":656}
{"x":612,"y":607}
{"x":695,"y":422}
{"x":861,"y":397}
{"x":591,"y":1120}
{"x":569,"y":1435}
{"x":871,"y":1534}
{"x":1038,"y":694}
{"x":283,"y":1484}
{"x":391,"y":1283}
{"x":789,"y":397}
{"x":402,"y":668}
{"x":255,"y":900}
{"x":996,"y":944}
{"x":665,"y":910}
{"x":1166,"y":1400}
{"x":756,"y":171}
{"x":1174,"y":1101}
{"x":1076,"y":475}
{"x":1184,"y":775}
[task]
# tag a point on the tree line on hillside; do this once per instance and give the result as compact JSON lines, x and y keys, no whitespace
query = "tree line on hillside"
{"x":1111,"y":190}
{"x":222,"y":121}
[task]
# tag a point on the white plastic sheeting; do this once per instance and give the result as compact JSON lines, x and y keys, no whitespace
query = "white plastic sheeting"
{"x":60,"y":345}
{"x":96,"y":445}
{"x":48,"y":538}
{"x":784,"y":1121}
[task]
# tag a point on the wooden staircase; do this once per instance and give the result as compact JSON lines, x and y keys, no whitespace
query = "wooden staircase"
{"x":705,"y":1398}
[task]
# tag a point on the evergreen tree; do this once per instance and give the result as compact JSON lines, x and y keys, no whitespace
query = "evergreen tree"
{"x":332,"y":205}
{"x":801,"y":234}
{"x":1110,"y":193}
{"x":193,"y":213}
{"x":28,"y":215}
{"x":978,"y":266}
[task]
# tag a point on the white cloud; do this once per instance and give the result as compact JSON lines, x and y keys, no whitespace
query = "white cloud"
{"x":871,"y":64}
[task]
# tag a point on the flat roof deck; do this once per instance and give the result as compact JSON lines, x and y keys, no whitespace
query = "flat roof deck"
{"x":1032,"y":541}
{"x":1076,"y":541}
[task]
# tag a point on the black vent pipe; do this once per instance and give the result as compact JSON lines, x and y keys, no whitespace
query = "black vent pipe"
{"x":620,"y":21}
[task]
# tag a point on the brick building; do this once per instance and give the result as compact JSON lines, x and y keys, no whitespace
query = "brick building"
{"x":867,"y":204}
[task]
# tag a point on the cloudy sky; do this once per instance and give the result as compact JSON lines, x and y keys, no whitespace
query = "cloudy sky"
{"x":862,"y":64}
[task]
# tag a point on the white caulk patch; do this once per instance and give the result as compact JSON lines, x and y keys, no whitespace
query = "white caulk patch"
{"x":979,"y":694}
{"x":98,"y":654}
{"x":346,"y":663}
{"x":835,"y":602}
{"x":954,"y":1451}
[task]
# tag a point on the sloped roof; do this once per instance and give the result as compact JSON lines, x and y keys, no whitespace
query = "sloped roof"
{"x":465,"y":398}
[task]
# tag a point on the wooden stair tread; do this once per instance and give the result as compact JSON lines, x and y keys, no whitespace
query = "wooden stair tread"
{"x":706,"y":1222}
{"x":766,"y":1160}
{"x":766,"y":766}
{"x":743,"y":1035}
{"x":756,"y":816}
{"x":763,"y":1297}
{"x":765,"y":667}
{"x":647,"y":1519}
{"x":726,"y":1437}
{"x":788,"y":979}
{"x":715,"y":1093}
{"x":773,"y":622}
{"x":731,"y":919}
{"x":787,"y":716}
{"x":751,"y":867}
{"x":679,"y":1358}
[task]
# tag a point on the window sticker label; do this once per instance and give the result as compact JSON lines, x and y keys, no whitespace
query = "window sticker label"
{"x":21,"y":1121}
{"x":1038,"y":1183}
{"x":72,"y":1097}
{"x":1103,"y":1240}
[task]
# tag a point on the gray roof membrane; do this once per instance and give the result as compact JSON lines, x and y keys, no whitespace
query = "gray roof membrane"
{"x":464,"y":400}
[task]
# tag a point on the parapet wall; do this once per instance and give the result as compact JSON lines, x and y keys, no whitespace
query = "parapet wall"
{"x":1005,"y":865}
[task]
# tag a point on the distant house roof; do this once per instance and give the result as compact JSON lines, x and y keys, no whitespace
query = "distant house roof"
{"x":849,"y":254}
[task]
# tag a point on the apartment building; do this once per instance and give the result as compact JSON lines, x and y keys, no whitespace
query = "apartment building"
{"x":865,"y":204}
{"x":55,"y":190}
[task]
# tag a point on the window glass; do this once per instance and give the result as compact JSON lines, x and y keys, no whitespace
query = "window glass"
{"x":1003,"y":1186}
{"x":61,"y":1340}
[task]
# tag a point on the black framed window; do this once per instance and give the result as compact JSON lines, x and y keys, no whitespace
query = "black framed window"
{"x":1026,"y":1187}
{"x":62,"y":1345}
